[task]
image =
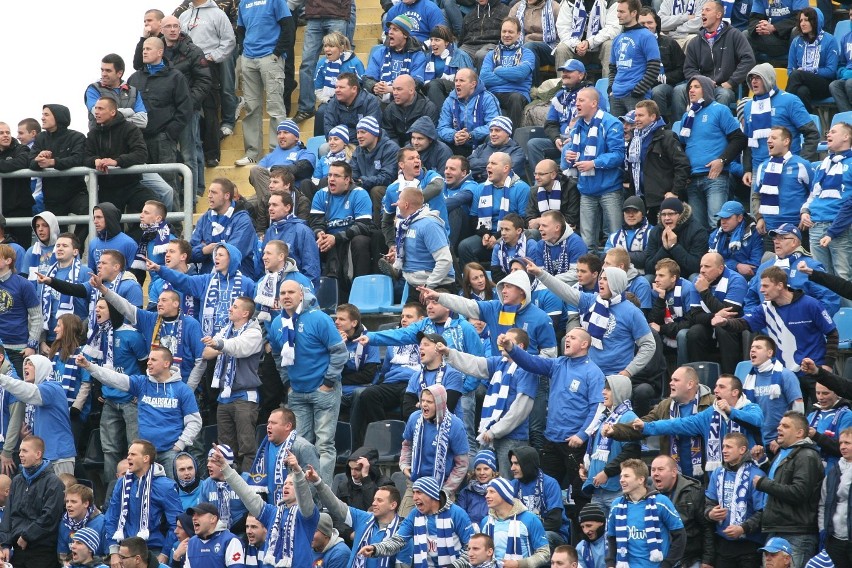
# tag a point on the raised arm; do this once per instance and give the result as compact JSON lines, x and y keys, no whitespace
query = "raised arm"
{"x":124,"y":307}
{"x":22,"y":390}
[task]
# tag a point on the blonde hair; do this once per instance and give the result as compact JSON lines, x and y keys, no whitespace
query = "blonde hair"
{"x":338,"y":40}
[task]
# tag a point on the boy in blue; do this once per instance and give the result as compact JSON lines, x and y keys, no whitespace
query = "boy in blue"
{"x":168,"y":412}
{"x":644,"y":529}
{"x":605,"y":455}
{"x":329,"y":549}
{"x":155,"y":239}
{"x":674,"y":297}
{"x":215,"y":490}
{"x":85,"y":548}
{"x":363,"y":362}
{"x":211,"y":546}
{"x":434,"y":442}
{"x":560,"y":247}
{"x":513,"y":243}
{"x":540,"y":494}
{"x":108,"y":235}
{"x":737,"y":239}
{"x":732,"y":412}
{"x":517,"y":532}
{"x":288,"y":540}
{"x":591,"y":551}
{"x":80,"y":512}
{"x":412,"y":173}
{"x":40,"y":255}
{"x":69,"y":268}
{"x":177,"y":256}
{"x":401,"y":54}
{"x":734,"y":505}
{"x":223,"y":222}
{"x":774,"y":388}
{"x":22,"y":323}
{"x":634,"y":62}
{"x":507,"y":71}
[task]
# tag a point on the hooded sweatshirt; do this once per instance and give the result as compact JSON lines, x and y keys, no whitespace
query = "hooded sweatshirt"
{"x":69,"y":150}
{"x":301,"y":241}
{"x":122,"y":141}
{"x":189,"y":491}
{"x":435,"y":156}
{"x":335,"y":554}
{"x":17,"y":194}
{"x":51,"y":421}
{"x":474,"y":113}
{"x":824,"y":42}
{"x":39,"y":257}
{"x":112,"y":237}
{"x":239,"y":232}
{"x":428,"y":261}
{"x":210,"y":29}
{"x":549,"y":505}
{"x":569,"y":244}
{"x":397,"y":119}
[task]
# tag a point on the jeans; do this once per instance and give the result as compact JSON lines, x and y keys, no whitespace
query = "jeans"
{"x":604,"y":498}
{"x":592,"y":208}
{"x":350,"y":25}
{"x":680,"y":98}
{"x":841,"y":90}
{"x":804,"y":546}
{"x":466,"y":410}
{"x":682,"y":350}
{"x":190,"y":138}
{"x":620,"y":106}
{"x":539,"y":149}
{"x":167,"y":460}
{"x":706,"y":197}
{"x":315,"y":30}
{"x":471,"y":250}
{"x":543,"y":56}
{"x":598,"y":57}
{"x":264,"y":74}
{"x":119,"y":427}
{"x":236,"y":428}
{"x":837,"y":256}
{"x":162,"y":191}
{"x":228,"y":80}
{"x":163,"y":150}
{"x":316,"y":415}
{"x":538,"y":415}
{"x":502,"y":447}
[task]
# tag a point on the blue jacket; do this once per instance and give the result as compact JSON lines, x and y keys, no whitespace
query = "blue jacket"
{"x":474,"y":114}
{"x":416,"y":68}
{"x":349,"y":64}
{"x":281,"y":157}
{"x":844,"y":64}
{"x":479,"y":158}
{"x":609,"y":159}
{"x":828,"y":51}
{"x":303,"y":245}
{"x":377,"y":167}
{"x":436,"y":68}
{"x":240,"y":233}
{"x":507,"y":76}
{"x":796,"y":178}
{"x":750,"y":252}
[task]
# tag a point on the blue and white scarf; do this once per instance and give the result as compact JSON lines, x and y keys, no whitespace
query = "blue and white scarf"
{"x":579,"y":29}
{"x":516,"y":58}
{"x":565,"y":105}
{"x":815,"y":418}
{"x":266,"y":294}
{"x":674,"y":310}
{"x":694,"y":441}
{"x":282,"y":537}
{"x":446,"y":541}
{"x":488,"y":219}
{"x":158,"y":233}
{"x":548,"y":22}
{"x":171,"y":341}
{"x":772,"y":365}
{"x":652,"y":531}
{"x":332,"y":70}
{"x":223,"y":496}
{"x":719,"y":291}
{"x":638,"y":149}
{"x":562,"y":262}
{"x":735,"y":242}
{"x":503,"y":252}
{"x":221,"y":223}
{"x":760,"y":124}
{"x":439,"y":66}
{"x":387,"y":73}
{"x":73,"y":525}
{"x":589,"y":150}
{"x":714,"y":437}
{"x":679,"y":7}
{"x":100,"y":346}
{"x":596,"y":319}
{"x":497,"y":394}
{"x":549,"y":199}
{"x":213,"y":317}
{"x":686,"y":125}
{"x":535,"y":502}
{"x":828,"y":179}
{"x":769,"y":190}
{"x":227,"y":364}
{"x":439,"y":377}
{"x":640,"y":237}
{"x":258,"y":473}
{"x":810,"y":56}
{"x":401,"y":232}
{"x":288,"y":336}
{"x":70,"y":379}
{"x":95,"y":295}
{"x":29,"y":417}
{"x":441,"y":444}
{"x":514,"y":543}
{"x":372,"y":526}
{"x":66,"y":302}
{"x":736,"y":501}
{"x":144,"y":507}
{"x":601,"y":452}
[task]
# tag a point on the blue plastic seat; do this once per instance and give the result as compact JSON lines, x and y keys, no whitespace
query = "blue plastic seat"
{"x":843,"y":321}
{"x":708,"y":372}
{"x":372,"y":293}
{"x":397,"y":308}
{"x":314,"y":144}
{"x":602,"y":85}
{"x":742,"y":370}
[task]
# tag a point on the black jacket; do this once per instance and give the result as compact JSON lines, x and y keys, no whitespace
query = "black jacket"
{"x":688,"y":499}
{"x":166,"y":96}
{"x":671,"y":58}
{"x":34,"y":510}
{"x":187,"y":58}
{"x":792,"y":498}
{"x":396,"y":119}
{"x":122,"y":141}
{"x":729,"y":60}
{"x":569,"y":204}
{"x":834,"y":283}
{"x":691,"y":245}
{"x":17,"y":194}
{"x":529,"y":461}
{"x":69,"y":150}
{"x":481,"y":26}
{"x":664,"y":169}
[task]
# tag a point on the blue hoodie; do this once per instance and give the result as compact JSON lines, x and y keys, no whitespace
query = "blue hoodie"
{"x":609,"y":158}
{"x":828,"y":51}
{"x":424,"y":15}
{"x":239,"y":233}
{"x":507,"y":76}
{"x":302,"y":243}
{"x":844,"y":64}
{"x":474,"y":114}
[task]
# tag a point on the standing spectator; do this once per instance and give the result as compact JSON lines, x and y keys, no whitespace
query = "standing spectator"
{"x":265,"y":31}
{"x":538,"y":31}
{"x":586,"y":30}
{"x":21,"y":326}
{"x":30,"y":526}
{"x":226,"y":548}
{"x":349,"y":105}
{"x":374,"y":163}
{"x":809,"y":74}
{"x":17,"y":195}
{"x":737,"y":239}
{"x":109,"y":235}
{"x":481,"y":29}
{"x":400,"y":54}
{"x":634,"y":63}
{"x":225,"y":220}
{"x":671,"y":63}
{"x":508,"y":70}
{"x":407,"y":106}
{"x":467,"y":113}
{"x":833,"y":502}
{"x":770,"y":29}
{"x":679,"y":236}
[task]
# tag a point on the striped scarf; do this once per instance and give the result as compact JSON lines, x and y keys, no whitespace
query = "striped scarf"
{"x":596,"y":320}
{"x":694,"y":441}
{"x":222,"y":223}
{"x":506,"y":317}
{"x":512,"y":61}
{"x":776,"y":328}
{"x":810,"y":56}
{"x":218,"y":297}
{"x":446,"y":541}
{"x":770,"y":188}
{"x":145,"y":506}
{"x":73,"y":525}
{"x":70,"y":378}
{"x":535,"y":502}
{"x":266,"y":294}
{"x":487,"y":217}
{"x":282,"y":537}
{"x":549,"y":199}
{"x":760,"y":124}
{"x":95,"y":295}
{"x":258,"y":473}
{"x":589,"y":150}
{"x":735,"y":241}
{"x":439,"y":376}
{"x":514,"y":543}
{"x":686,"y":126}
{"x":497,"y":395}
{"x":401,"y":233}
{"x":565,"y":105}
{"x":674,"y":310}
{"x":601,"y":452}
{"x":372,"y":526}
{"x":223,"y":496}
{"x":653,"y":535}
{"x":548,"y":23}
{"x":66,"y":302}
{"x":438,"y":66}
{"x":640,"y":237}
{"x":736,"y":501}
{"x":332,"y":70}
{"x":29,"y":417}
{"x":683,"y":8}
{"x":638,"y":149}
{"x":818,"y":415}
{"x":158,"y":233}
{"x":172,"y":341}
{"x":828,"y":179}
{"x":581,"y":16}
{"x":714,"y":437}
{"x":187,"y":307}
{"x":773,"y":366}
{"x":562,"y":262}
{"x":100,"y":346}
{"x":719,"y":291}
{"x":503,"y":252}
{"x":227,"y":364}
{"x":441,"y":444}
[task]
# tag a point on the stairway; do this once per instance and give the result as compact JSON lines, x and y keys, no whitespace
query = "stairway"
{"x":367,"y":32}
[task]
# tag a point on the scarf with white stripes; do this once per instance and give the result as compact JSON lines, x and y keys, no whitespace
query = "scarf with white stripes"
{"x":66,"y":302}
{"x":503,"y":252}
{"x":581,"y":17}
{"x":771,"y":186}
{"x":720,"y":291}
{"x":773,"y":366}
{"x":760,"y":124}
{"x":596,"y":319}
{"x":640,"y":237}
{"x":652,"y":531}
{"x":282,"y":537}
{"x":497,"y":394}
{"x":222,"y":223}
{"x":487,"y":216}
{"x":694,"y":441}
{"x":810,"y":56}
{"x":447,"y":544}
{"x":158,"y":233}
{"x":145,"y":506}
{"x":686,"y":125}
{"x":401,"y":233}
{"x":589,"y":149}
{"x":227,"y":364}
{"x":736,"y":501}
{"x":258,"y":473}
{"x":601,"y":452}
{"x":562,"y":262}
{"x":213,"y":317}
{"x":548,"y":22}
{"x":372,"y":526}
{"x":549,"y":199}
{"x":714,"y":437}
{"x":443,"y":421}
{"x":266,"y":294}
{"x":828,"y":179}
{"x":514,"y":544}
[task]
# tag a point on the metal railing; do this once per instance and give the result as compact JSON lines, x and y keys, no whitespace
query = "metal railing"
{"x":91,"y":177}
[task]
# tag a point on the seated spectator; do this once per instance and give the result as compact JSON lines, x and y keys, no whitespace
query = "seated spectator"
{"x":680,"y":236}
{"x":476,"y":283}
{"x":674,"y":297}
{"x":225,"y":220}
{"x":508,"y":70}
{"x":770,"y":29}
{"x":400,"y":54}
{"x":350,"y":104}
{"x":471,"y":498}
{"x":444,"y":60}
{"x":540,"y":494}
{"x":499,"y":140}
{"x":467,"y":113}
{"x":737,"y":240}
{"x":80,"y":513}
{"x":281,"y":181}
{"x":538,"y":32}
{"x":374,"y":163}
{"x":481,"y":29}
{"x":362,"y":362}
{"x":515,"y":529}
{"x":423,"y":137}
{"x":809,"y":74}
{"x":681,"y":21}
{"x":406,"y":106}
{"x":586,"y":31}
{"x":634,"y":234}
{"x":459,"y":189}
{"x":338,"y":58}
{"x":560,"y":247}
{"x":553,"y":191}
{"x":592,"y":548}
{"x":339,"y":150}
{"x":637,"y":284}
{"x":329,"y":548}
{"x":831,"y":416}
{"x":513,"y":243}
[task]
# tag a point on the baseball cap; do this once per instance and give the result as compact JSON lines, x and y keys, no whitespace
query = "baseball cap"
{"x":629,"y":118}
{"x":786,"y":229}
{"x":433,"y":337}
{"x":573,"y":65}
{"x":203,"y":508}
{"x":778,"y":544}
{"x":731,"y":208}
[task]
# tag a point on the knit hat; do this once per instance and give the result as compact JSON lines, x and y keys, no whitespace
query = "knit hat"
{"x":592,"y":512}
{"x":288,"y":125}
{"x":404,"y":23}
{"x":486,"y":457}
{"x":341,"y":132}
{"x":226,"y":452}
{"x":325,"y":525}
{"x":634,"y":202}
{"x":429,"y":486}
{"x":504,"y":123}
{"x":368,"y":124}
{"x":89,"y":537}
{"x":504,"y":489}
{"x":672,"y":204}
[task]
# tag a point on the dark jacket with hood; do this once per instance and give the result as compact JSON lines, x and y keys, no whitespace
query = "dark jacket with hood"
{"x":482,"y":24}
{"x":69,"y":151}
{"x":376,"y":167}
{"x":396,"y":119}
{"x":189,"y":59}
{"x":17,"y":194}
{"x":336,"y":113}
{"x":569,"y":204}
{"x":481,"y":154}
{"x":688,"y":498}
{"x":792,"y":496}
{"x":729,"y":60}
{"x":529,"y":461}
{"x":665,"y":168}
{"x":122,"y":141}
{"x":360,"y":495}
{"x":34,"y":509}
{"x":436,"y":155}
{"x":691,"y":244}
{"x":166,"y":96}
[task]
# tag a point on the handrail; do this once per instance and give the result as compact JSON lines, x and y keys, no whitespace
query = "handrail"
{"x":92,"y":189}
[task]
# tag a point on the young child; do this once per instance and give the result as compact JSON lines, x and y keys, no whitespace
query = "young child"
{"x":339,"y":150}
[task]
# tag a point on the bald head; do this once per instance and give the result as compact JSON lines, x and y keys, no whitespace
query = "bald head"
{"x":404,"y":90}
{"x":712,"y":266}
{"x":152,"y":51}
{"x":170,"y":28}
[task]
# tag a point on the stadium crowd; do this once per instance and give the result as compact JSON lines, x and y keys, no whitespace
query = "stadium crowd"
{"x":617,"y":341}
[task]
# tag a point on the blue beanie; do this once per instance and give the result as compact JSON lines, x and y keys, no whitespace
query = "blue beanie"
{"x":429,"y":486}
{"x":89,"y":537}
{"x":369,"y":124}
{"x":288,"y":125}
{"x":486,"y":457}
{"x":341,"y":132}
{"x":503,"y":123}
{"x":504,"y":489}
{"x":226,"y":451}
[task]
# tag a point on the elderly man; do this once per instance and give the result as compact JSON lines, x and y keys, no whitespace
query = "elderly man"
{"x":466,"y":113}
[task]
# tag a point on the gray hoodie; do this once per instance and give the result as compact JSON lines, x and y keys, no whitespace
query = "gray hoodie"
{"x":210,"y":29}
